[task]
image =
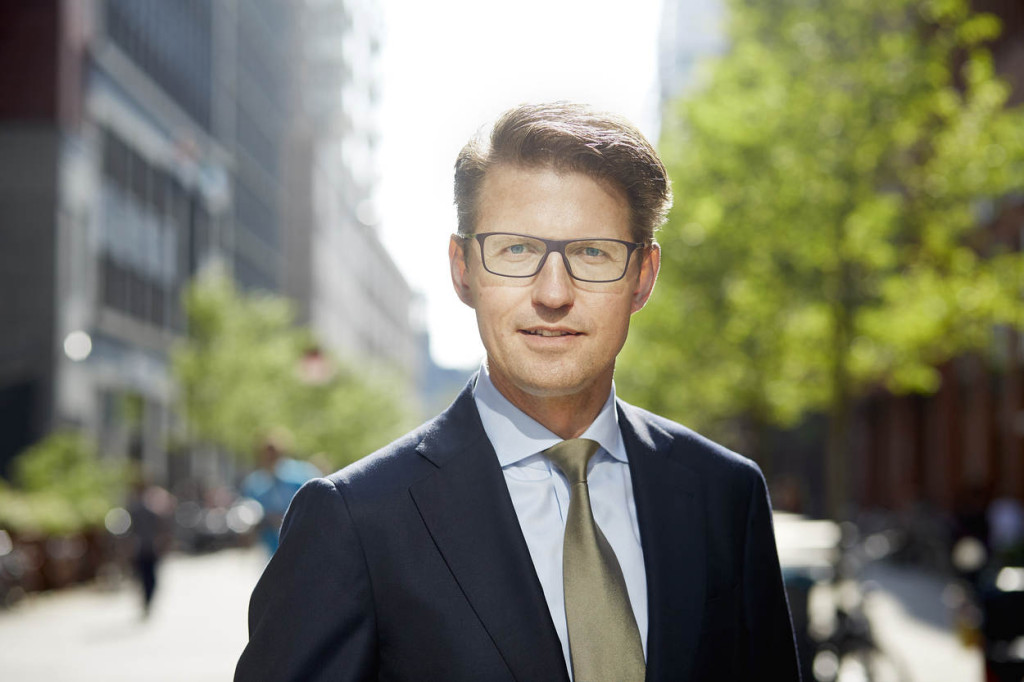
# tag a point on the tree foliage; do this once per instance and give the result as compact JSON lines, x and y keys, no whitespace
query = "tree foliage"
{"x":61,"y":485}
{"x":242,"y":375}
{"x":829,"y":177}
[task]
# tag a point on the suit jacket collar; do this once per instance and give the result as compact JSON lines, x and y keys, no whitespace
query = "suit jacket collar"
{"x":467,"y":509}
{"x":670,"y":514}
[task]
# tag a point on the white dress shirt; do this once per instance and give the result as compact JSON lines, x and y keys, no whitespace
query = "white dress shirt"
{"x":540,"y":495}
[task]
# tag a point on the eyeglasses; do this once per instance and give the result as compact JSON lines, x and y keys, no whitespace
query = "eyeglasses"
{"x":587,"y":260}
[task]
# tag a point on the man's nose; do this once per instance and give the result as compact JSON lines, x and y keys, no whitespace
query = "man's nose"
{"x":553,"y":287}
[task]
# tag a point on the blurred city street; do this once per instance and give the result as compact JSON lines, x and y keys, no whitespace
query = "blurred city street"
{"x":223,"y":240}
{"x":197,"y":628}
{"x":195,"y":632}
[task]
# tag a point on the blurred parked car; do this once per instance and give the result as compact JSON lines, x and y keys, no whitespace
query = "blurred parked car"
{"x":207,"y":528}
{"x":1000,"y":594}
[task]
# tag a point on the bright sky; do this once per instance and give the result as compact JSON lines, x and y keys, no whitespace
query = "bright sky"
{"x":453,"y":65}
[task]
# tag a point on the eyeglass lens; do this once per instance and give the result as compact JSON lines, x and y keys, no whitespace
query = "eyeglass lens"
{"x":595,"y":260}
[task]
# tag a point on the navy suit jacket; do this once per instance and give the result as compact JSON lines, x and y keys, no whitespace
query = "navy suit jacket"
{"x":410,"y":565}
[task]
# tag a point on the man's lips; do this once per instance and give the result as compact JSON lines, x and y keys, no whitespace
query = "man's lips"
{"x":549,"y":333}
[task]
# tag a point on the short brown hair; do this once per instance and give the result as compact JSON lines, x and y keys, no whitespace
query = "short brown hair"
{"x":568,"y":137}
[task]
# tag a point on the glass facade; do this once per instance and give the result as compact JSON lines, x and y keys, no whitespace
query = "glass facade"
{"x":172,"y":43}
{"x":144,"y":218}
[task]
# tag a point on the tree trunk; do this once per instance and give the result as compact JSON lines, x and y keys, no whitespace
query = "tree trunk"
{"x":837,"y":449}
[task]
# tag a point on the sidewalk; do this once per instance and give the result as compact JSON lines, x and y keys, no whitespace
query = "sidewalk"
{"x":913,"y":624}
{"x":195,"y":632}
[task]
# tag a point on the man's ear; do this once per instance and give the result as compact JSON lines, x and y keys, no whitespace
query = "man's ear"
{"x":650,"y":263}
{"x":460,"y":269}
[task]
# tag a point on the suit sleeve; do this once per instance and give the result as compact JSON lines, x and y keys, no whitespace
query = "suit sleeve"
{"x":311,"y":614}
{"x":771,"y":643}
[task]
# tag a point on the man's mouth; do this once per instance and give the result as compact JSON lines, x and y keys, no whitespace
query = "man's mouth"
{"x":549,"y":332}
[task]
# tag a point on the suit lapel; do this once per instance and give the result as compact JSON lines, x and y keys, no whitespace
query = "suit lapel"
{"x":670,"y":514}
{"x":467,"y":509}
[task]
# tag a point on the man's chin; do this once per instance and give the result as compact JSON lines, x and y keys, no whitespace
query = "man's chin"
{"x":550,"y":384}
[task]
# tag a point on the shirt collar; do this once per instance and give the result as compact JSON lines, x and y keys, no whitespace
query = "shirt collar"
{"x":516,"y":436}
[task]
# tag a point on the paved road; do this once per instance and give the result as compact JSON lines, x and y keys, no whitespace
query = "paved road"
{"x":195,"y":631}
{"x":912,"y":623}
{"x":197,"y":627}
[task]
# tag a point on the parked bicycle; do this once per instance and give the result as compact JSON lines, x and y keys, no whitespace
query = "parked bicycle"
{"x":822,"y":563}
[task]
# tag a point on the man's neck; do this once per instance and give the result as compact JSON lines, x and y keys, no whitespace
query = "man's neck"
{"x":567,"y":416}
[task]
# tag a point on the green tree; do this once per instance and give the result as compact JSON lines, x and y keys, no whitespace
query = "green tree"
{"x":240,"y":374}
{"x":61,"y":485}
{"x":828,"y":178}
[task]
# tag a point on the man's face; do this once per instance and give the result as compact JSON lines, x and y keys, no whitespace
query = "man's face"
{"x":550,"y":335}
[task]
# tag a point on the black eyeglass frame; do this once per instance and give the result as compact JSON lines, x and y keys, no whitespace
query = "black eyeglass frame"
{"x":555,"y":246}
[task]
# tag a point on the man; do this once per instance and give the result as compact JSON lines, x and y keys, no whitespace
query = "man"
{"x":481,"y":547}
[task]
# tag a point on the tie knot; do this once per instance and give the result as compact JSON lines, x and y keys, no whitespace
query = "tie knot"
{"x":571,"y":457}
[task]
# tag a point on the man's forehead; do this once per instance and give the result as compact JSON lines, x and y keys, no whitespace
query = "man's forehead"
{"x":547,"y":203}
{"x":511,"y":176}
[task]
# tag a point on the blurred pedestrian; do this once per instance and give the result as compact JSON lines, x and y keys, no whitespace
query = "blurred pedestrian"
{"x":540,"y":528}
{"x":1005,"y":518}
{"x":970,"y":550}
{"x":274,"y":484}
{"x":150,"y":508}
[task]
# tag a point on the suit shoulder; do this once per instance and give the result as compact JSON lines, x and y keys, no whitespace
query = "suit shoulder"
{"x":393,"y":466}
{"x":689,"y":447}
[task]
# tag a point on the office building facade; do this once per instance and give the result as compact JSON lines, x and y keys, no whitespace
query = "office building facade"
{"x":141,"y":142}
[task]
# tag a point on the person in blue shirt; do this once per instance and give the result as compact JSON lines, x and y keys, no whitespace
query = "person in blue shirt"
{"x":274,"y":485}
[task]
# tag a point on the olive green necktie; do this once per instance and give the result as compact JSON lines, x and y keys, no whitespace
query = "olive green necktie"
{"x":604,"y":642}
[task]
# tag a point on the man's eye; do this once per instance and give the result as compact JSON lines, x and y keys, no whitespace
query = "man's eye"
{"x":591,"y":252}
{"x":520,"y":249}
